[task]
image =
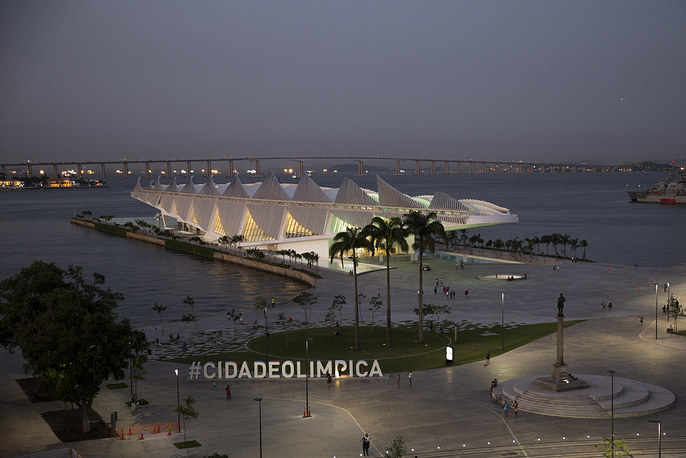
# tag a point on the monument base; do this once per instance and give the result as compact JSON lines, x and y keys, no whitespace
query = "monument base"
{"x":560,"y":380}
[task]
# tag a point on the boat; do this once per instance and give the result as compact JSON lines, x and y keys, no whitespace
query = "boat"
{"x":665,"y":192}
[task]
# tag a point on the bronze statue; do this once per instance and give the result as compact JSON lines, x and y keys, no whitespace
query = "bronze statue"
{"x":560,"y":305}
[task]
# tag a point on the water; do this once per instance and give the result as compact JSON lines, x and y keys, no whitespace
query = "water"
{"x":594,"y":207}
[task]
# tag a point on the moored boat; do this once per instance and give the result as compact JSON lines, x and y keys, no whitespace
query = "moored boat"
{"x":665,"y":192}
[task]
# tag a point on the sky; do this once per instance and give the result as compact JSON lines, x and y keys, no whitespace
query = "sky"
{"x":547,"y":81}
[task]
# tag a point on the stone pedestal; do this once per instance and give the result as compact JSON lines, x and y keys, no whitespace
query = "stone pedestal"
{"x":560,"y":380}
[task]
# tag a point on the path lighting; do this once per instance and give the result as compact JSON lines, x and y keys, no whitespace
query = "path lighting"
{"x":659,"y":437}
{"x":178,"y":401}
{"x":655,"y":311}
{"x":449,"y":355}
{"x":612,"y":400}
{"x":502,"y":320}
{"x":307,"y":378}
{"x":259,"y":401}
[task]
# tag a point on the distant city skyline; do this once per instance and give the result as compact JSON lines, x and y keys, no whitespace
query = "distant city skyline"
{"x":584,"y":81}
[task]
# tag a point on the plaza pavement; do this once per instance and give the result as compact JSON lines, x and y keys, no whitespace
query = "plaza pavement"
{"x":448,"y":408}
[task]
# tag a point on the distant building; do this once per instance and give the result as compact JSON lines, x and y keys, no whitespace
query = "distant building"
{"x":303,"y":217}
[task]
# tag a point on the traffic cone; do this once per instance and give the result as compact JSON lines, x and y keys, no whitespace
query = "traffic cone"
{"x":122,"y":435}
{"x":158,"y":428}
{"x":141,"y":438}
{"x":304,"y":412}
{"x":129,"y":429}
{"x":169,"y":431}
{"x":309,"y":414}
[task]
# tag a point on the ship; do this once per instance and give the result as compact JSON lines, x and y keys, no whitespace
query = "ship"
{"x":665,"y":192}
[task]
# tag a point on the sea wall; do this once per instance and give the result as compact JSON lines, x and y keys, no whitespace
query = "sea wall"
{"x":199,"y":250}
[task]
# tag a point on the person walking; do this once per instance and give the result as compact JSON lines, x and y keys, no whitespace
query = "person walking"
{"x":515,"y":406}
{"x":505,"y":412}
{"x":409,"y":377}
{"x":365,"y":444}
{"x":228,"y":392}
{"x":273,"y":303}
{"x":488,"y":358}
{"x":398,"y":381}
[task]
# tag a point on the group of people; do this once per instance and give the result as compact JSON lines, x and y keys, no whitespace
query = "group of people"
{"x":173,"y":339}
{"x":603,"y":306}
{"x":449,"y":294}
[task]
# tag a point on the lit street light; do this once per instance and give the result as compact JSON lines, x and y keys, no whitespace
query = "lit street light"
{"x":259,"y":400}
{"x":659,"y":437}
{"x":612,"y":400}
{"x":178,"y":401}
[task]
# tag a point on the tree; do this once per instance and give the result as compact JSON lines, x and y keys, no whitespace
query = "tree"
{"x":583,"y":244}
{"x":349,"y":242}
{"x":190,"y":317}
{"x":614,"y":448}
{"x":337,"y":306}
{"x":138,"y":372}
{"x":66,"y":329}
{"x":234,"y":316}
{"x":397,"y":448}
{"x":439,"y":310}
{"x":387,"y":234}
{"x":306,"y":300}
{"x":159,"y":309}
{"x":673,"y":308}
{"x":187,"y":411}
{"x":260,"y":303}
{"x":375,"y":303}
{"x":424,"y":227}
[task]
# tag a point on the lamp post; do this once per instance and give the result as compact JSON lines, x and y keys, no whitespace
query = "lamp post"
{"x":307,"y":377}
{"x":502,"y":321}
{"x":259,"y":400}
{"x":612,"y":419}
{"x":266,"y":336}
{"x":178,"y":401}
{"x":655,"y":311}
{"x":668,"y":297}
{"x":659,"y":437}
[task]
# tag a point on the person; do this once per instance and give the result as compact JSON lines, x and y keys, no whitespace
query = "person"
{"x":602,"y":306}
{"x":488,"y":358}
{"x":526,"y":275}
{"x":609,"y":306}
{"x":214,"y":384}
{"x":177,"y":337}
{"x":240,"y":318}
{"x":228,"y":391}
{"x":365,"y":444}
{"x":273,"y":303}
{"x":515,"y":405}
{"x":254,"y":325}
{"x":435,"y":289}
{"x":505,"y":412}
{"x":185,"y":346}
{"x":409,"y":377}
{"x":560,"y":305}
{"x":398,"y":380}
{"x":378,"y":293}
{"x":466,"y":293}
{"x":289,"y":318}
{"x":328,"y":379}
{"x":134,"y":403}
{"x":670,"y":329}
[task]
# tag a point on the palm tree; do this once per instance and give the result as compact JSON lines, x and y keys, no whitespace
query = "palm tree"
{"x":565,"y":239}
{"x":349,"y":241}
{"x":584,"y":244}
{"x":386,"y":234}
{"x":424,"y":227}
{"x":546,"y":239}
{"x":574,"y":245}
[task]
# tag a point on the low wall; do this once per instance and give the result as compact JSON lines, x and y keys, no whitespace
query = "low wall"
{"x":198,"y":250}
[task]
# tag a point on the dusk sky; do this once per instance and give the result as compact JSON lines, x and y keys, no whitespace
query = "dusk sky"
{"x":550,"y":81}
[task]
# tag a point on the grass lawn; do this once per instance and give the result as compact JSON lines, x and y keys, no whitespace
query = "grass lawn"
{"x":406,"y":353}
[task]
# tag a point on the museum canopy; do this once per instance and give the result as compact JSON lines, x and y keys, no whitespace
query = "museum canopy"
{"x":304,"y":217}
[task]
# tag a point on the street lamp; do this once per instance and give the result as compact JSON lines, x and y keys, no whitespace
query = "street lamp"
{"x":668,"y":297}
{"x":307,"y":378}
{"x":178,"y":401}
{"x":502,"y":320}
{"x":612,"y":400}
{"x":259,"y":400}
{"x":266,"y":336}
{"x":655,"y":311}
{"x":659,"y":437}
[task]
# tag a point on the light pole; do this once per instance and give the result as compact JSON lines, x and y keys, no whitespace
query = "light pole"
{"x":655,"y":311}
{"x":307,"y":378}
{"x":659,"y":437}
{"x":668,"y":297}
{"x":502,"y":321}
{"x":259,"y":400}
{"x":612,"y":400}
{"x":178,"y":401}
{"x":266,"y":336}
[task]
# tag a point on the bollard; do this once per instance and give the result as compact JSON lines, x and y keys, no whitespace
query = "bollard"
{"x":113,"y":424}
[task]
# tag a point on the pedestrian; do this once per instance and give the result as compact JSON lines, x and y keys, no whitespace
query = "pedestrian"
{"x":488,"y":358}
{"x":435,"y":289}
{"x":409,"y":377}
{"x":398,"y":380}
{"x":185,"y":346}
{"x":273,"y":303}
{"x":228,"y":392}
{"x":240,"y":318}
{"x":609,"y":306}
{"x":214,"y":384}
{"x":466,"y":293}
{"x":328,"y":379}
{"x":505,"y":412}
{"x":378,"y":293}
{"x":641,"y":321}
{"x":515,"y":406}
{"x":602,"y":306}
{"x":365,"y":444}
{"x":441,"y":280}
{"x":134,"y":403}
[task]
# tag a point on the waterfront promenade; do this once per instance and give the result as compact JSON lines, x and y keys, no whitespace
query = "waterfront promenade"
{"x":448,"y":408}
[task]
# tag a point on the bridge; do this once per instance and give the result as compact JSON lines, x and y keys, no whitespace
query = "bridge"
{"x":165,"y":166}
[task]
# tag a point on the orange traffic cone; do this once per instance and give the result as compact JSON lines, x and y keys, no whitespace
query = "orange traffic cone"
{"x":158,"y":428}
{"x":141,"y":438}
{"x":169,"y":430}
{"x":122,"y":434}
{"x":304,"y":412}
{"x":309,"y":414}
{"x":129,"y":429}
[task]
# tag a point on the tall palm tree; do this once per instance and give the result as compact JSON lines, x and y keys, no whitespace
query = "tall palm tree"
{"x":386,"y":234}
{"x":424,"y":227}
{"x":349,"y":241}
{"x":546,"y":239}
{"x":584,"y":244}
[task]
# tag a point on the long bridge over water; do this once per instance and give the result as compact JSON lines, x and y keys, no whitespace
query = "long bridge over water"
{"x":165,"y":166}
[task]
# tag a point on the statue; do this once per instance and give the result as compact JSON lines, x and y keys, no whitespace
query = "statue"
{"x":560,"y":305}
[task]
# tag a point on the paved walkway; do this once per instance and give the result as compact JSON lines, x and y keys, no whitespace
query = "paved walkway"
{"x":448,"y":408}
